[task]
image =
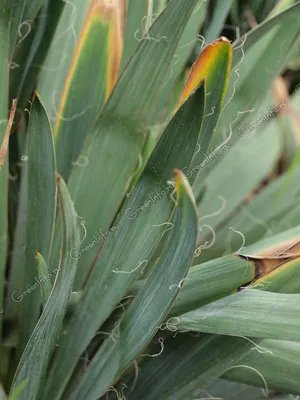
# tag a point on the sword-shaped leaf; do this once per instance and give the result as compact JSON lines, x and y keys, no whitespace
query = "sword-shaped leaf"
{"x":44,"y":278}
{"x":186,"y":364}
{"x":128,"y":248}
{"x":139,"y":18}
{"x":252,"y":313}
{"x":4,"y":78}
{"x":277,"y":361}
{"x":148,"y":310}
{"x":36,"y":356}
{"x":259,"y":57}
{"x":213,"y":65}
{"x":41,"y":213}
{"x":112,"y":149}
{"x":90,"y":80}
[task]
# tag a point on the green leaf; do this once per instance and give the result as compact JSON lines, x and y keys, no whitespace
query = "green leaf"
{"x":4,"y":78}
{"x":44,"y":278}
{"x":148,"y":310}
{"x":281,"y":5}
{"x":259,"y":223}
{"x":16,"y":268}
{"x":36,"y":356}
{"x":227,"y":390}
{"x":213,"y":65}
{"x":168,"y":99}
{"x":139,"y":18}
{"x":117,"y":137}
{"x":23,"y":13}
{"x":35,"y":45}
{"x":19,"y":389}
{"x":41,"y":213}
{"x":251,"y":313}
{"x":212,"y":280}
{"x":278,"y":362}
{"x":261,"y":30}
{"x":28,"y":59}
{"x":284,"y":279}
{"x":2,"y":393}
{"x":137,"y":230}
{"x":209,"y":282}
{"x":57,"y":63}
{"x":259,"y":57}
{"x":225,"y":193}
{"x":186,"y":364}
{"x":158,"y":6}
{"x":284,"y":239}
{"x":220,"y":13}
{"x":94,"y":71}
{"x":260,"y":9}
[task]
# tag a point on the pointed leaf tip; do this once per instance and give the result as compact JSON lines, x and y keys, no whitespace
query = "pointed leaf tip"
{"x":182,"y":185}
{"x":58,"y":177}
{"x":207,"y":65}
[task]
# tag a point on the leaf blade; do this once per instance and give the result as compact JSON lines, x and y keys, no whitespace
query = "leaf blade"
{"x":139,"y":230}
{"x":41,"y":197}
{"x":251,"y":313}
{"x":94,"y":67}
{"x":148,"y":309}
{"x":37,"y":353}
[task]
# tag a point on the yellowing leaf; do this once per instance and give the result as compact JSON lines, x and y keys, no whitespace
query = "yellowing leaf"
{"x":207,"y":67}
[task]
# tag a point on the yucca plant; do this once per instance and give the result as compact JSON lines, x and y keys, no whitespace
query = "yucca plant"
{"x":149,"y":210}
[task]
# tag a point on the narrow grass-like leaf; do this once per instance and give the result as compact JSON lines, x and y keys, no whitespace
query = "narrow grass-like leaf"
{"x":221,"y":277}
{"x":169,"y":96}
{"x":284,"y":279}
{"x":90,"y":80}
{"x":267,"y":245}
{"x":150,"y":307}
{"x":18,"y":390}
{"x":210,"y":281}
{"x":16,"y":269}
{"x":263,"y":29}
{"x":35,"y":45}
{"x":136,"y":232}
{"x":186,"y":364}
{"x":215,"y":60}
{"x":36,"y":36}
{"x":220,"y":13}
{"x":56,"y":66}
{"x":257,"y":223}
{"x":117,"y":137}
{"x":218,"y":278}
{"x":41,"y":213}
{"x":36,"y":356}
{"x":158,"y":6}
{"x":2,"y":393}
{"x":251,"y":313}
{"x":281,"y":6}
{"x":278,"y":361}
{"x":213,"y":65}
{"x":138,"y":21}
{"x":4,"y":76}
{"x":22,"y":16}
{"x":223,"y":194}
{"x":257,"y":61}
{"x":229,"y":390}
{"x":44,"y":278}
